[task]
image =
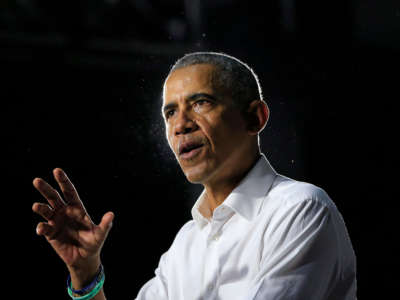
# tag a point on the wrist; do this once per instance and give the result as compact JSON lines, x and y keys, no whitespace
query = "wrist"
{"x":83,"y":274}
{"x":91,"y":290}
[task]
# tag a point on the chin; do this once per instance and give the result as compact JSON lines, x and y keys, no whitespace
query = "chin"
{"x":196,"y":174}
{"x":194,"y":177}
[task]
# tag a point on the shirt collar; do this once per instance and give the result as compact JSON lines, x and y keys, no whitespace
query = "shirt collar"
{"x":246,"y":198}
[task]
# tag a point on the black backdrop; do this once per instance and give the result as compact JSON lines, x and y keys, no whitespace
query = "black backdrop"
{"x":81,"y":86}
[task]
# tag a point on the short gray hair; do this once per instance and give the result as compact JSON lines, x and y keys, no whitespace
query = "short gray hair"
{"x":233,"y":75}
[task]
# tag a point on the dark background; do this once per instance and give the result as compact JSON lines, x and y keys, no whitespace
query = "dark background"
{"x":81,"y":85}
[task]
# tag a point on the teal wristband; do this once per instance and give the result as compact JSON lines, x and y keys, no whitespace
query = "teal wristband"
{"x":92,"y":293}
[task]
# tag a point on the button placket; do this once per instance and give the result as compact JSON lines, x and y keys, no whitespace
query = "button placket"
{"x":211,"y":268}
{"x":216,"y":236}
{"x":215,"y":230}
{"x":217,"y":222}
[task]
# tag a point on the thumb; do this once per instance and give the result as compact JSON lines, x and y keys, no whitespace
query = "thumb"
{"x":106,"y":223}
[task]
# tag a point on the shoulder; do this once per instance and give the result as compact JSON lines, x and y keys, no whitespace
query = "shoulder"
{"x":187,"y":228}
{"x":289,"y":192}
{"x":296,"y":206}
{"x":187,"y":231}
{"x":289,"y":199}
{"x":185,"y":244}
{"x":296,"y":209}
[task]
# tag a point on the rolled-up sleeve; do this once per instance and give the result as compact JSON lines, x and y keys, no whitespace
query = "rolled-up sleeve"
{"x":303,"y":257}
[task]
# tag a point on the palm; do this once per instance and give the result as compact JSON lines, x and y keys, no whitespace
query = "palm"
{"x":69,"y":229}
{"x":73,"y":239}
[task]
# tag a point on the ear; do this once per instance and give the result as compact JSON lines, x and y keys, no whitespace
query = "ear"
{"x":257,"y":116}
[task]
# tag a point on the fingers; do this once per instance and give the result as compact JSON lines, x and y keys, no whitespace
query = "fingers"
{"x":67,"y":188}
{"x":44,"y":210}
{"x":44,"y":229}
{"x":106,"y":224}
{"x":52,"y":196}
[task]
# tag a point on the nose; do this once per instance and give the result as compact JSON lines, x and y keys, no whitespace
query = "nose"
{"x":184,"y":124}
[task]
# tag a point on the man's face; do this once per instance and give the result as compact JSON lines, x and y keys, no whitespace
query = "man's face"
{"x":206,"y":132}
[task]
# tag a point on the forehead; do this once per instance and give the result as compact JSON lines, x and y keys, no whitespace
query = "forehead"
{"x":186,"y":80}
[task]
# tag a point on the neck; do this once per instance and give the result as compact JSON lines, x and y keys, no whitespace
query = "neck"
{"x":217,"y":191}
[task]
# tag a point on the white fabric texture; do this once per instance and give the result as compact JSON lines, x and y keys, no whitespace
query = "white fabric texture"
{"x":273,"y":238}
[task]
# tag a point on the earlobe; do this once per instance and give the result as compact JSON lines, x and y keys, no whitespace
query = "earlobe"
{"x":258,"y":115}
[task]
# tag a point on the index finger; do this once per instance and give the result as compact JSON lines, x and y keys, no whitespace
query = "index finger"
{"x":67,"y":188}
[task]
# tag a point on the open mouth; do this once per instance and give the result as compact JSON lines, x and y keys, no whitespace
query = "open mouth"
{"x":189,"y":147}
{"x":188,"y":150}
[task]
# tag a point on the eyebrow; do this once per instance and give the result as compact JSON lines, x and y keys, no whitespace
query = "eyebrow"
{"x":191,"y":97}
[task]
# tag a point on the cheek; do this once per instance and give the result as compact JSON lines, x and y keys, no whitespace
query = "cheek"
{"x":206,"y":128}
{"x":229,"y":130}
{"x":168,"y":134}
{"x":233,"y":120}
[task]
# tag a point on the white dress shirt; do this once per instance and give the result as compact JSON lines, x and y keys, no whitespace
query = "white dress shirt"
{"x":273,"y":238}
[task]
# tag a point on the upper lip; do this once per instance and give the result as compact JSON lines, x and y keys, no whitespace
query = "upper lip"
{"x":188,"y":145}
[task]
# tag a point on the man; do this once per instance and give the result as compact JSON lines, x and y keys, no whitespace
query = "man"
{"x":255,"y":234}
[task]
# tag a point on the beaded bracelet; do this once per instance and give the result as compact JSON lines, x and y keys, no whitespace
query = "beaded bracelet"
{"x":90,"y":290}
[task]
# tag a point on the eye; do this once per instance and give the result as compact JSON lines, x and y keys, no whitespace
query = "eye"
{"x":169,"y":113}
{"x":201,"y":104}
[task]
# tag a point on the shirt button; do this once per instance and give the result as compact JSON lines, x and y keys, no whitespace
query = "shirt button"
{"x":216,"y":237}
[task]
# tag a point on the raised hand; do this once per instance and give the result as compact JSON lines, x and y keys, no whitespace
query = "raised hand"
{"x":68,"y":227}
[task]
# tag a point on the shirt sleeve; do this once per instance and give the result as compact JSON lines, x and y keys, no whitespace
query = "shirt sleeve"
{"x":156,"y":288}
{"x":301,"y":256}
